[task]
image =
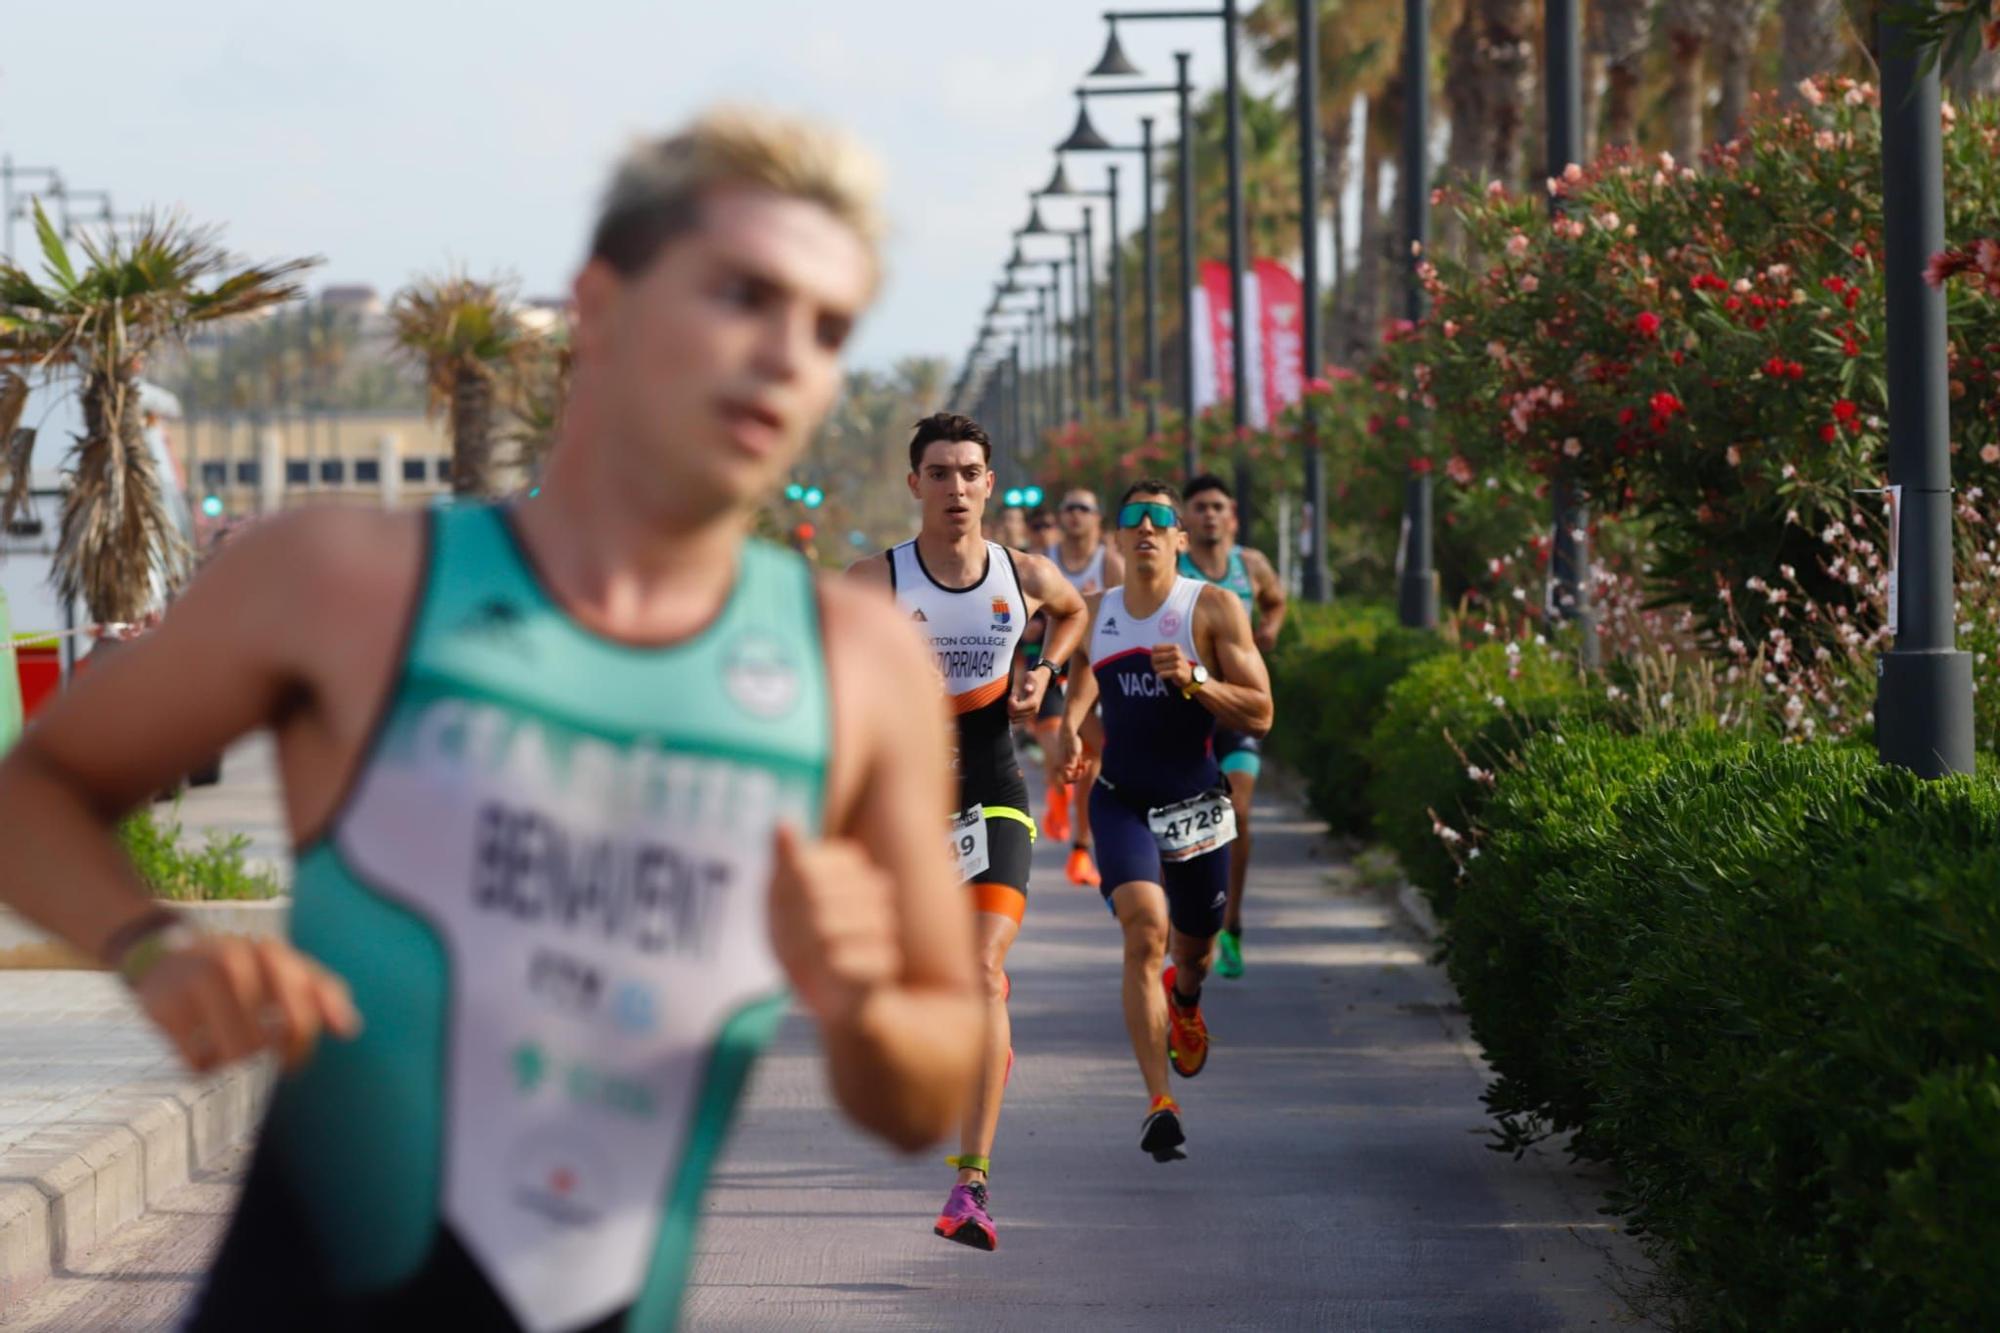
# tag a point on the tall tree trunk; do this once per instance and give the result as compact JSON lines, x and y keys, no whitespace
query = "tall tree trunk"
{"x":1622,"y":32}
{"x":472,"y":434}
{"x":1364,"y":313}
{"x":1737,"y":27}
{"x":1463,"y":90}
{"x":1339,"y":150}
{"x":1507,"y":65}
{"x":1684,"y":94}
{"x":118,"y":548}
{"x":1814,"y":40}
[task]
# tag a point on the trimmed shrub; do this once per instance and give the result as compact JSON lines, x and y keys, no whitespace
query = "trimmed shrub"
{"x":1329,"y":678}
{"x":219,"y":870}
{"x":1761,"y":981}
{"x":1445,"y":729}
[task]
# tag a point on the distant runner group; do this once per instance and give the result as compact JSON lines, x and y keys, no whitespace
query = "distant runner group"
{"x":584,"y":784}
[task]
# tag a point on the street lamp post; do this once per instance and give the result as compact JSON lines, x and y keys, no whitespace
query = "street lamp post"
{"x":9,"y":173}
{"x":1059,"y":186}
{"x":1317,"y":587}
{"x":1416,"y":591}
{"x":1923,"y":702}
{"x":1183,"y":90}
{"x":1569,"y":552}
{"x":1086,"y":139}
{"x":1113,"y":62}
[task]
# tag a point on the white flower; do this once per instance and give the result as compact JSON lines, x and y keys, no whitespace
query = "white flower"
{"x":1497,"y":701}
{"x":1667,"y":699}
{"x":1809,"y":91}
{"x":1572,"y":447}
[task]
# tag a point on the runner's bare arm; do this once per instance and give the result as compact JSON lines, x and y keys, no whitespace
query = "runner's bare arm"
{"x":899,"y":1014}
{"x":229,"y":657}
{"x":1271,"y":601}
{"x":1060,"y":605}
{"x":1239,"y":687}
{"x":1079,"y":696}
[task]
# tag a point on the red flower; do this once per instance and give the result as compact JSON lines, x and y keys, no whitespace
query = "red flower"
{"x":1851,"y":347}
{"x":1648,"y":324}
{"x":1845,"y":411}
{"x":1664,"y":404}
{"x":1626,"y":417}
{"x":1860,"y":250}
{"x":1829,"y":433}
{"x":1458,"y":469}
{"x":1775,"y":367}
{"x":1732,"y":305}
{"x":1420,"y":466}
{"x":1796,"y":371}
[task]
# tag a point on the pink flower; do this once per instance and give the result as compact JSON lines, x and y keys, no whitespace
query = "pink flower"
{"x":1572,"y":173}
{"x":1809,"y":91}
{"x":1517,"y":244}
{"x":1458,"y":469}
{"x":1990,"y":454}
{"x":1572,"y":447}
{"x":1530,"y":283}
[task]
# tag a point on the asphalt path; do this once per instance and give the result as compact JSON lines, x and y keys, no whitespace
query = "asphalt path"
{"x":1337,"y":1178}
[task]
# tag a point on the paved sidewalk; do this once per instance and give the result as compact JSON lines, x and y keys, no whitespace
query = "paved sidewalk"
{"x":1338,"y":1175}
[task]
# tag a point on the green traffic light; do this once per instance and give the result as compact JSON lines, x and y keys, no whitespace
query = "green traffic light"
{"x":795,"y":492}
{"x":211,"y":506}
{"x":814,"y":497}
{"x":1013,"y":498}
{"x":1031,"y":496}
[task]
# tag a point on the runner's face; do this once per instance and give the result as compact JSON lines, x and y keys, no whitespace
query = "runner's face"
{"x":952,"y":483}
{"x":1211,"y":517}
{"x":722,"y":356}
{"x":1150,"y":552}
{"x":1080,"y":519}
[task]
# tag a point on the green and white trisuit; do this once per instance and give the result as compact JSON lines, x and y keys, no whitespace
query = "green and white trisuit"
{"x":1237,"y":752}
{"x":548,"y":888}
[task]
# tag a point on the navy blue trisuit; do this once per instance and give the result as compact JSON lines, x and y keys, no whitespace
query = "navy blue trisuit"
{"x":1158,"y":751}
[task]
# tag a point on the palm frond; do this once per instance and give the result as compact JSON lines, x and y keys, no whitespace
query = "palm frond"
{"x":52,"y":248}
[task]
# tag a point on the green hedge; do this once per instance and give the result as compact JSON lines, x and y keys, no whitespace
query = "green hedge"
{"x":1762,"y":982}
{"x":1329,"y":677}
{"x":1445,"y":726}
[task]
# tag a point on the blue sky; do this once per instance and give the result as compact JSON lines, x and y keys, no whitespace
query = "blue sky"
{"x":394,"y":138}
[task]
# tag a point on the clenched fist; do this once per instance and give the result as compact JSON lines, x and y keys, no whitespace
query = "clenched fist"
{"x":222,"y":998}
{"x":833,"y":924}
{"x":1026,"y":701}
{"x":1172,"y":666}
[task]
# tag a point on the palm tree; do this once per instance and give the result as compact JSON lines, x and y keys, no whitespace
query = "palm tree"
{"x":1687,"y":23}
{"x":118,"y":545}
{"x":542,"y":392}
{"x":471,"y":346}
{"x":1737,"y":28}
{"x":1623,"y":31}
{"x":1506,"y":73}
{"x":1814,"y":40}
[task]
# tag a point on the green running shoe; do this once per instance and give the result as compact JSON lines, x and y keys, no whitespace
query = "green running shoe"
{"x":1230,"y":964}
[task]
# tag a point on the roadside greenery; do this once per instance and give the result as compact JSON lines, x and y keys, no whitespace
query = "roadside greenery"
{"x":217,"y":871}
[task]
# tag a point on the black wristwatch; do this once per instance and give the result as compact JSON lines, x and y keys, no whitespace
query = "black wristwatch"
{"x":1055,"y":672}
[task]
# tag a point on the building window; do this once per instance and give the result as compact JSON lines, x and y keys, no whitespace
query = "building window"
{"x":413,"y":469}
{"x":298,"y":472}
{"x":367,"y":472}
{"x":333,"y":471}
{"x":214,"y":475}
{"x":444,"y":470}
{"x":247,"y":472}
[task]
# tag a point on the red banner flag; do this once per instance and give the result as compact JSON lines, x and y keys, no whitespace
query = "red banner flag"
{"x":1281,"y":324}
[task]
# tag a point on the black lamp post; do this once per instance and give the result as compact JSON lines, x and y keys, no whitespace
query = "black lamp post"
{"x":1036,"y":227}
{"x":1093,"y":142}
{"x":1569,"y":552}
{"x":1080,"y":353}
{"x":1059,"y":186}
{"x":1115,"y":63}
{"x":1416,"y":590}
{"x":1085,"y":138}
{"x":1318,"y":587}
{"x":1923,"y":702}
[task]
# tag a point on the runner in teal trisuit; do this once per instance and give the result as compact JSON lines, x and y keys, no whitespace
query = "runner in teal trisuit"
{"x":1213,"y":556}
{"x":578,"y":784}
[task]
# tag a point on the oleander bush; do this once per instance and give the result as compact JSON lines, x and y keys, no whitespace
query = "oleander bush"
{"x":1329,"y":678}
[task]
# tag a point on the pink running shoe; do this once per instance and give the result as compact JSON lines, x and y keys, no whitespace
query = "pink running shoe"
{"x":964,"y":1218}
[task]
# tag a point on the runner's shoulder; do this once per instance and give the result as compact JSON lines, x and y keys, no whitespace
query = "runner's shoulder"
{"x":859,"y":623}
{"x":326,"y":560}
{"x":870,"y":569}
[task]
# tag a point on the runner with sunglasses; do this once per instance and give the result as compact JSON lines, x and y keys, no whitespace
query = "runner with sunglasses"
{"x":1214,"y":557}
{"x":1087,"y":560}
{"x":1170,"y":658}
{"x":972,"y":599}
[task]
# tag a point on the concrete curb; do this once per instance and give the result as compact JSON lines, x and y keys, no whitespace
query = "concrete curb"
{"x":1410,"y":901}
{"x":68,"y":1187}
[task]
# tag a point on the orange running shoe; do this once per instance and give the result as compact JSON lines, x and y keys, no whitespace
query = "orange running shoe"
{"x":1187,"y":1034}
{"x":1083,"y":867}
{"x":1161,"y":1134}
{"x":1055,"y":819}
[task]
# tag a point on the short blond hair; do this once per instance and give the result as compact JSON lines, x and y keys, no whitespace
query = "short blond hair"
{"x":657,"y":188}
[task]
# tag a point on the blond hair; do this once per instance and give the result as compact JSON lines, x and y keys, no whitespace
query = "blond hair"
{"x":656,"y":190}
